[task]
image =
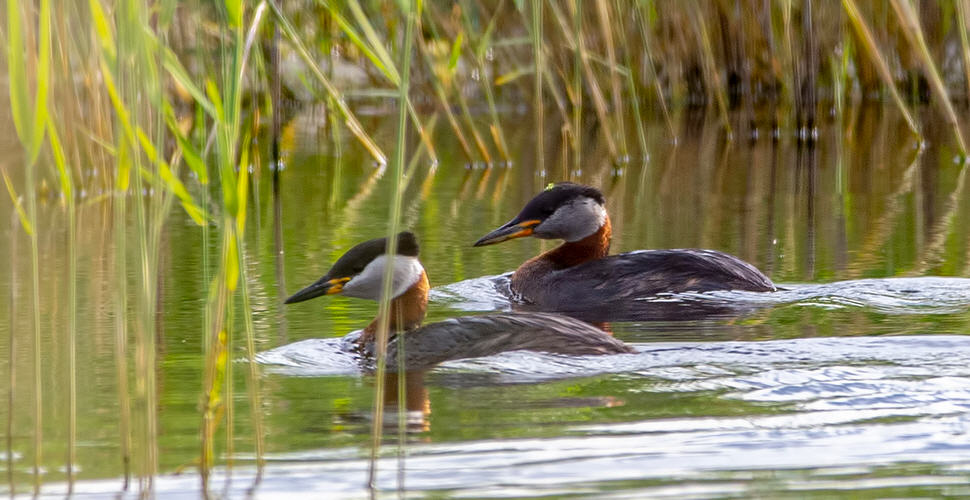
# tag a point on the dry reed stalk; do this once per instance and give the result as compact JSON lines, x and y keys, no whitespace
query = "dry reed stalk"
{"x":445,"y":105}
{"x":963,"y":26}
{"x":482,"y":46}
{"x":648,"y":50}
{"x":882,"y":67}
{"x":577,"y":85}
{"x":710,"y":67}
{"x":599,"y":101}
{"x":606,"y":27}
{"x":535,"y":12}
{"x":806,"y":101}
{"x":350,"y":118}
{"x":910,"y":24}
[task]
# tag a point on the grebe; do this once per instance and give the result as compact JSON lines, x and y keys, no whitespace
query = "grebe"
{"x":359,"y":273}
{"x":579,"y":275}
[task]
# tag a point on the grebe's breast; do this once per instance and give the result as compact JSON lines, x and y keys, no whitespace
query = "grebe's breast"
{"x":486,"y":335}
{"x":617,"y":281}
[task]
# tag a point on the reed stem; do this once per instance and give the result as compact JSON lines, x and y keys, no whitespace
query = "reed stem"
{"x":412,"y":13}
{"x":15,"y":228}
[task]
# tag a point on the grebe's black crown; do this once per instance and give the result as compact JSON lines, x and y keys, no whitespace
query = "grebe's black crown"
{"x":353,"y":262}
{"x":545,"y":203}
{"x":357,"y":258}
{"x":537,"y":219}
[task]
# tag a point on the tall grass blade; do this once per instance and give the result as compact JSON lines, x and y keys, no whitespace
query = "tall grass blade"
{"x":577,"y":81}
{"x":372,"y":47}
{"x":349,"y":118}
{"x":963,"y":26}
{"x":909,"y":21}
{"x":12,"y":350}
{"x":599,"y":101}
{"x":412,"y":13}
{"x":480,"y":52}
{"x":39,"y":116}
{"x":67,"y":188}
{"x":710,"y":66}
{"x":18,"y":205}
{"x":535,"y":13}
{"x":121,"y":309}
{"x":607,"y":29}
{"x":16,"y":73}
{"x":882,"y":67}
{"x":375,"y":41}
{"x":439,"y":91}
{"x":102,"y":29}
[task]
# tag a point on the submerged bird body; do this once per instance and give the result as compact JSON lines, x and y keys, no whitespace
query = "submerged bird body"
{"x":359,"y":273}
{"x":580,"y":275}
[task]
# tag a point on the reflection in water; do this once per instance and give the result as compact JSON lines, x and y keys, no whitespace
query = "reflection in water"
{"x":717,"y":404}
{"x":822,"y":415}
{"x":416,"y":401}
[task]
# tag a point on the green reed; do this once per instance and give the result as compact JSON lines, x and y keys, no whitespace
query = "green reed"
{"x":117,"y":63}
{"x":31,"y":126}
{"x":411,"y":12}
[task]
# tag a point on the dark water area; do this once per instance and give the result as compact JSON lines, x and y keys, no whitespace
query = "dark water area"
{"x":852,"y":380}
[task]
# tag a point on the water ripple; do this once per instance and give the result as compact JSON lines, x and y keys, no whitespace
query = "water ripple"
{"x":924,"y":295}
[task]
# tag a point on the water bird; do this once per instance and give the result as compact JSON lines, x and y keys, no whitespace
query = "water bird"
{"x":580,"y":276}
{"x":359,"y":273}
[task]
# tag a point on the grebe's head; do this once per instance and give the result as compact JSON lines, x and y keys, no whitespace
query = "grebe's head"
{"x":563,"y":211}
{"x":360,"y":272}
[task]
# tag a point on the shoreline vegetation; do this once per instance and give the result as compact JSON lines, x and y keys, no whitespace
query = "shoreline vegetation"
{"x":165,"y":99}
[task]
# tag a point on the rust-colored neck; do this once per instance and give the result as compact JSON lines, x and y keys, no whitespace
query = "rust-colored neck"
{"x":407,"y":310}
{"x":573,"y":253}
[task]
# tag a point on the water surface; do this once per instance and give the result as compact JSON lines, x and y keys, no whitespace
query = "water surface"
{"x":855,"y":377}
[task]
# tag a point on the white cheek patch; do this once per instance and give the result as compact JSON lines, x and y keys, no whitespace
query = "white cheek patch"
{"x":573,"y":221}
{"x":367,"y":284}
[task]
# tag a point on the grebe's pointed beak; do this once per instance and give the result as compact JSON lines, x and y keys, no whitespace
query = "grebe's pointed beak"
{"x":511,"y":230}
{"x":324,"y":286}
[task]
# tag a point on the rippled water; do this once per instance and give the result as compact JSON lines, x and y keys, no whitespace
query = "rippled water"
{"x":816,"y":414}
{"x":853,"y":380}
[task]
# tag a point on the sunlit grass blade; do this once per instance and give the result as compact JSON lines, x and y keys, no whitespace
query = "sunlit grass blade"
{"x":372,"y":47}
{"x":39,"y":117}
{"x":381,"y":62}
{"x":67,"y":188}
{"x":17,"y":73}
{"x":350,"y":119}
{"x":180,"y":75}
{"x":191,"y":155}
{"x":102,"y":29}
{"x":18,"y":206}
